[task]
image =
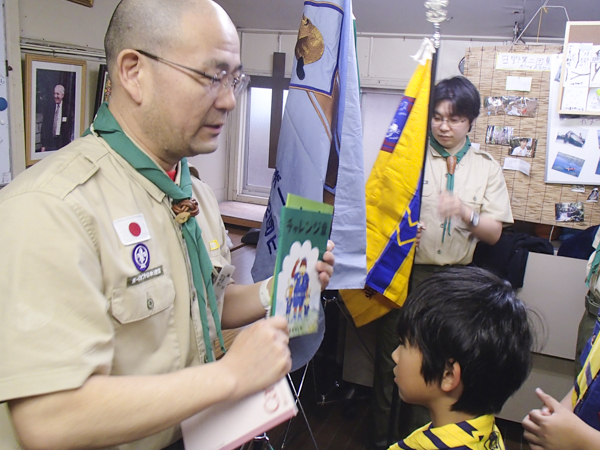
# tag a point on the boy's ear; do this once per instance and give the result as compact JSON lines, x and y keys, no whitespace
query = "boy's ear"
{"x":452,"y":376}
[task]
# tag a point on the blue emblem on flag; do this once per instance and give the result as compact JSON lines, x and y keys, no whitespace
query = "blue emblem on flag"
{"x":141,"y":257}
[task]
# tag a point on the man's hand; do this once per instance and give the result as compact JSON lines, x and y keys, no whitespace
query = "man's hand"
{"x":259,"y":356}
{"x":420,"y":227}
{"x":555,"y":427}
{"x":325,"y":267}
{"x":451,"y":206}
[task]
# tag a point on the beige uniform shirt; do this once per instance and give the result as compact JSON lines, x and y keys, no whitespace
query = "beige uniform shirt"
{"x":73,"y":303}
{"x":479,"y":183}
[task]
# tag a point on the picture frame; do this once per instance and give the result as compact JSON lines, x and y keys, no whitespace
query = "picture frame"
{"x":88,"y":3}
{"x":52,"y":120}
{"x":103,"y":88}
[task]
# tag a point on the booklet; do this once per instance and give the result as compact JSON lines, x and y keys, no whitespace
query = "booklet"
{"x":229,"y":425}
{"x":303,"y":233}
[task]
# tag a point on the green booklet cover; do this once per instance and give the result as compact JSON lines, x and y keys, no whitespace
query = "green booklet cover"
{"x":303,"y":233}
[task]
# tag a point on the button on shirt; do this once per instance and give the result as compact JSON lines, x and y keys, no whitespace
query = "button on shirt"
{"x":67,"y":310}
{"x":479,"y":183}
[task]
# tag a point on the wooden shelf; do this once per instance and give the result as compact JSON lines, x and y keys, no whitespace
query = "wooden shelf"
{"x":242,"y":214}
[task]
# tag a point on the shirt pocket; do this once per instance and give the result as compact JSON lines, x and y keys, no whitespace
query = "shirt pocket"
{"x":134,"y":303}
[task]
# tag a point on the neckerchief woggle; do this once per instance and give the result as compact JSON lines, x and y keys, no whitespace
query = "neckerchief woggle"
{"x":109,"y":129}
{"x":451,"y":162}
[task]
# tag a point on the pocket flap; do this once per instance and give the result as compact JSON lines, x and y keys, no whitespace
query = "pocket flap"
{"x":133,"y":303}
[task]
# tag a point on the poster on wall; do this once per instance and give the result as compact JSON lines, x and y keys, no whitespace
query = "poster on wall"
{"x":573,"y":142}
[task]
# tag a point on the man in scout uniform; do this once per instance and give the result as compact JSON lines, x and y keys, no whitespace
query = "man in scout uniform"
{"x":108,"y":310}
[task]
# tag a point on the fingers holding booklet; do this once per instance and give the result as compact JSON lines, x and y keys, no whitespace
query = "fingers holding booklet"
{"x":325,"y":267}
{"x":259,"y":356}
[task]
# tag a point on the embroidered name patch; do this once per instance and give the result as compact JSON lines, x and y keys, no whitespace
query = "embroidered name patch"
{"x":132,"y":229}
{"x":147,"y":275}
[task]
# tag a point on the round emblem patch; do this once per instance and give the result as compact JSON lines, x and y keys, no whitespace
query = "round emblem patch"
{"x":141,"y":257}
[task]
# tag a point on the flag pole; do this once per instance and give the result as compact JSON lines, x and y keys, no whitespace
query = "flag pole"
{"x":435,"y":14}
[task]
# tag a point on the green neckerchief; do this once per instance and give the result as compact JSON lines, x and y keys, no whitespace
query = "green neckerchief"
{"x":109,"y":129}
{"x":594,"y":267}
{"x":450,"y":181}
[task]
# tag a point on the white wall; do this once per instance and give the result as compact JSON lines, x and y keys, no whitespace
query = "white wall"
{"x":384,"y":61}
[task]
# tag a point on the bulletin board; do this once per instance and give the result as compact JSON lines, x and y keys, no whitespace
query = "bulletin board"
{"x":532,"y":199}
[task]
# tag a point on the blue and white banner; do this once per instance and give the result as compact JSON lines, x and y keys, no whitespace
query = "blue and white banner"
{"x":320,"y":153}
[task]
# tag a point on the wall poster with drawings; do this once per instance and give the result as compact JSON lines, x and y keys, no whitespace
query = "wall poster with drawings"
{"x":573,"y":143}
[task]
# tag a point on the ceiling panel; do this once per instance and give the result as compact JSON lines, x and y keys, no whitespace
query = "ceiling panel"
{"x":473,"y":18}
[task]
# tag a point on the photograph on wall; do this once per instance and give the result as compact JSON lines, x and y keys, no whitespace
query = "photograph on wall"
{"x":54,"y":98}
{"x":571,"y":165}
{"x":522,"y":146}
{"x":569,"y":212}
{"x":103,"y":88}
{"x":510,"y":105}
{"x":493,"y":106}
{"x":520,"y":106}
{"x":598,"y":168}
{"x":593,"y":197}
{"x":578,"y":188}
{"x":575,"y":137}
{"x":498,"y":135}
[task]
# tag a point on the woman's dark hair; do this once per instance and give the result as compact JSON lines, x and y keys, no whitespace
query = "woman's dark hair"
{"x":470,"y":316}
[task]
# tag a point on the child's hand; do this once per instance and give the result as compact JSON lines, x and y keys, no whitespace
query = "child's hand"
{"x":554,"y":427}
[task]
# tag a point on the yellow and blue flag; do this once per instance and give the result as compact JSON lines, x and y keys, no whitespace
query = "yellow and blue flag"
{"x":393,"y":197}
{"x":319,"y":154}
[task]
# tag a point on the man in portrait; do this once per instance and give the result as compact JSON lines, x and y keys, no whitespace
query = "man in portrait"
{"x":57,"y":123}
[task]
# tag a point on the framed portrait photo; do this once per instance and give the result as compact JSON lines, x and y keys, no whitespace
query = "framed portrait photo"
{"x":54,"y":104}
{"x":103,"y":89}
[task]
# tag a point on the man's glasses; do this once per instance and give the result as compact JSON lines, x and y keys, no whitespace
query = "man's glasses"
{"x":218,"y":83}
{"x":453,"y":122}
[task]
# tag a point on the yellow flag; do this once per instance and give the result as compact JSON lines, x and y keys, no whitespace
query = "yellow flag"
{"x":393,"y":197}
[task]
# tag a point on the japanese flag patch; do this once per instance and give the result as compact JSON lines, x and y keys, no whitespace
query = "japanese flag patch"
{"x":132,"y":229}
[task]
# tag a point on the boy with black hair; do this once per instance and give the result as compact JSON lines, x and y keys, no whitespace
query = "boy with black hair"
{"x":465,"y":343}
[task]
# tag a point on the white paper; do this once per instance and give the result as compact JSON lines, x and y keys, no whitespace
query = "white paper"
{"x":523,"y":61}
{"x":6,"y":178}
{"x":518,"y":84}
{"x":228,"y":425}
{"x":595,"y":67}
{"x":517,"y":164}
{"x":585,"y":126}
{"x":574,"y":98}
{"x":577,"y":71}
{"x":593,"y":100}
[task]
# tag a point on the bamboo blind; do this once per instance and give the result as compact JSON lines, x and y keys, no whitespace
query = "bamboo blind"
{"x":532,"y":200}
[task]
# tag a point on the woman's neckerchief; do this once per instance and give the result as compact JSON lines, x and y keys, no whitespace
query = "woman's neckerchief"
{"x":451,"y":162}
{"x":109,"y":129}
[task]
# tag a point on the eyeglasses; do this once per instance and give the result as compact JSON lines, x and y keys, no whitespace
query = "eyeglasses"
{"x":218,"y":83}
{"x":453,"y":122}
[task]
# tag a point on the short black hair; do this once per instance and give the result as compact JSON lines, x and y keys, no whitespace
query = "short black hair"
{"x":462,"y":95}
{"x":470,"y":316}
{"x":524,"y":139}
